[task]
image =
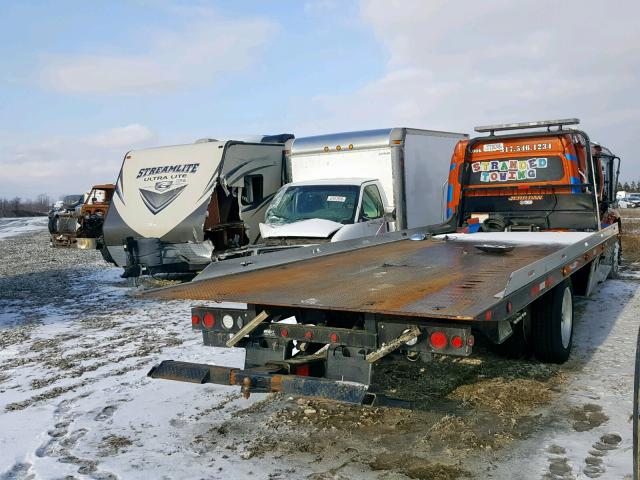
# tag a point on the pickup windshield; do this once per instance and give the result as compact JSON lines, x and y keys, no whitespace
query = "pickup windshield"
{"x":330,"y":202}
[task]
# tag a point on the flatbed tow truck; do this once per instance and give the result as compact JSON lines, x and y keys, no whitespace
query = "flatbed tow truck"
{"x":530,"y":224}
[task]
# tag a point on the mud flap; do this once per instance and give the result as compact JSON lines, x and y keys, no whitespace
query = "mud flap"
{"x":349,"y":392}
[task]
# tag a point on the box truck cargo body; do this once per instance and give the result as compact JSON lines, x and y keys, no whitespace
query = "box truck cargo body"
{"x":175,"y":208}
{"x":411,"y":164}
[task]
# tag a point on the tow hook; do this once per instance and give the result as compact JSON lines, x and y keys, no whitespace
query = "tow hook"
{"x":246,"y":387}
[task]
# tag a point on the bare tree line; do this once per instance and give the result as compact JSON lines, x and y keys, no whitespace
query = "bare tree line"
{"x":629,"y":187}
{"x":19,"y":207}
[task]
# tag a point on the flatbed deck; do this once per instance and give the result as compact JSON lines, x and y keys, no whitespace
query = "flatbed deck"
{"x":441,"y":278}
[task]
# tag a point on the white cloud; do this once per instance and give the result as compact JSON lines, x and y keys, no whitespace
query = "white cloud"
{"x":456,"y":65}
{"x":122,"y":137}
{"x":62,"y":164}
{"x":198,"y":53}
{"x":320,"y":6}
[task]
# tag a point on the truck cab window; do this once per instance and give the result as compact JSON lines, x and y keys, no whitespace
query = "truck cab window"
{"x":372,"y":206}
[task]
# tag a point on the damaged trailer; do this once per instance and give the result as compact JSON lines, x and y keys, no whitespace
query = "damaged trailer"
{"x":506,"y":265}
{"x":178,"y":208}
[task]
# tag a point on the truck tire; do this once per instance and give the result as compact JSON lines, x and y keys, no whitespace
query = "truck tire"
{"x":552,"y":324}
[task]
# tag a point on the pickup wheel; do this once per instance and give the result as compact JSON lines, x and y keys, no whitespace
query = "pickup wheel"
{"x":553,"y":324}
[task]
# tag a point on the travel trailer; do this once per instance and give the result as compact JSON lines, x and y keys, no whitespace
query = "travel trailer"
{"x":176,"y":208}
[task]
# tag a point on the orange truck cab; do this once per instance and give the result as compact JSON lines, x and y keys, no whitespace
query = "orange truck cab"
{"x":552,"y":179}
{"x":98,"y":200}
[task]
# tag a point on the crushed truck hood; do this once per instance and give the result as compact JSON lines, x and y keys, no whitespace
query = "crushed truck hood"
{"x":312,"y":228}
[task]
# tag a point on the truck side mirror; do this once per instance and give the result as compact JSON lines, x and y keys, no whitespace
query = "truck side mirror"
{"x":390,"y":214}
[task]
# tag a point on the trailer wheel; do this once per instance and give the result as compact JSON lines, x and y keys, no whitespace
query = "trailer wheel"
{"x":553,"y":324}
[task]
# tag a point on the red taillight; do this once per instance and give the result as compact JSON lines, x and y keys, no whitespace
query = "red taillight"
{"x":302,"y":370}
{"x":308,"y":334}
{"x":456,"y":342}
{"x":195,"y":320}
{"x":334,"y":337}
{"x":284,"y":332}
{"x":487,"y":315}
{"x":209,"y":320}
{"x":438,"y":340}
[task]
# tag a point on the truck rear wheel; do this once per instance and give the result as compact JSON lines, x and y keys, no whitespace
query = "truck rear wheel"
{"x":553,"y":324}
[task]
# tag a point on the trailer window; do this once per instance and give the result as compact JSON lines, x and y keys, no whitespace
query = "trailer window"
{"x":516,"y":170}
{"x":252,"y":191}
{"x":372,"y":206}
{"x":303,"y":202}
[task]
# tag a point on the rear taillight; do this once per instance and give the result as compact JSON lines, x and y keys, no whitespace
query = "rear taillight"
{"x":195,"y":320}
{"x":334,"y":337}
{"x":438,"y":340}
{"x":457,"y":342}
{"x":209,"y":320}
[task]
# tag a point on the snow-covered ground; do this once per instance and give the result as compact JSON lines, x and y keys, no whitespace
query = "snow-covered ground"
{"x":75,"y":402}
{"x":15,"y":226}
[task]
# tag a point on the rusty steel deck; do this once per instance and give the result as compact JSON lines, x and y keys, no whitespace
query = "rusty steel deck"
{"x":431,"y":278}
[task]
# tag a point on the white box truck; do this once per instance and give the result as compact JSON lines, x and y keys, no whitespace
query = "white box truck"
{"x":177,"y":208}
{"x":346,"y":185}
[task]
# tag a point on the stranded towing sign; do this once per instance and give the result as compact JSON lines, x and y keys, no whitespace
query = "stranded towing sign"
{"x":509,"y":170}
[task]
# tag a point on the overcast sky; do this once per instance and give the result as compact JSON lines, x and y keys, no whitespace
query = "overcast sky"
{"x":83,"y":82}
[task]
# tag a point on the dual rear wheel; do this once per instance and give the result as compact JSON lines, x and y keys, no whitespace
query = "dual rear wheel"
{"x":547,"y":328}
